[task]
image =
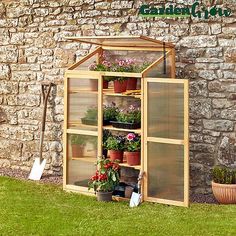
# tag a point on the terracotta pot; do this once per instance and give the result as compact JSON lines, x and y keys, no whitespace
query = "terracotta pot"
{"x":105,"y":84}
{"x":104,"y":196}
{"x":224,"y":193}
{"x":77,"y":150}
{"x":116,"y":155}
{"x":93,"y":85}
{"x":120,"y":86}
{"x":132,"y":84}
{"x":133,"y":158}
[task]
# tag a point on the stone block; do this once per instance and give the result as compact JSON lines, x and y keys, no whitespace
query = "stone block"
{"x":198,"y":41}
{"x":218,"y":125}
{"x":4,"y":72}
{"x":200,"y":108}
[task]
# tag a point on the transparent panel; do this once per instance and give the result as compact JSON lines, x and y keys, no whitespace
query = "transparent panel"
{"x":83,"y":104}
{"x":86,"y":65}
{"x":161,"y":70}
{"x":165,"y":110}
{"x":165,"y":171}
{"x":124,"y":41}
{"x":82,"y":155}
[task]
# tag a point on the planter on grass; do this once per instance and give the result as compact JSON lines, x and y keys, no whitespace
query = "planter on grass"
{"x":104,"y":196}
{"x":122,"y":125}
{"x":132,"y":84}
{"x":116,"y":155}
{"x":120,"y":86}
{"x":224,"y":193}
{"x":133,"y":158}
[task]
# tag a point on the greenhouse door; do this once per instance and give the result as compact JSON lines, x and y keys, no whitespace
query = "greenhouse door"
{"x":166,"y":154}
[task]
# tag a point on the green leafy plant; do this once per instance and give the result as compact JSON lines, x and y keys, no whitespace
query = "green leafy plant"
{"x":115,"y":143}
{"x":91,"y":114}
{"x":131,"y":115}
{"x":106,"y":135}
{"x":106,"y":177}
{"x":224,"y":175}
{"x":77,"y":139}
{"x":110,"y":111}
{"x":142,"y":67}
{"x":132,"y":143}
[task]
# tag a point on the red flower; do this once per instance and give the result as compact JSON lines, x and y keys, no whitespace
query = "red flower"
{"x":94,"y":177}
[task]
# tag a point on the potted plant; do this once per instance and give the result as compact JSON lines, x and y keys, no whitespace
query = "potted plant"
{"x":91,"y":117}
{"x":109,"y":113}
{"x":128,"y":118}
{"x":115,"y":145}
{"x":104,"y":65}
{"x":105,"y":179}
{"x":77,"y":145}
{"x":224,"y":184}
{"x":133,"y":147}
{"x":120,"y":83}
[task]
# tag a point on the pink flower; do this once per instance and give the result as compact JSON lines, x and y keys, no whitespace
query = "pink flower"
{"x":130,"y":136}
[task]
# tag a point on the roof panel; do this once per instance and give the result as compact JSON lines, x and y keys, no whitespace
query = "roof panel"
{"x":122,"y":41}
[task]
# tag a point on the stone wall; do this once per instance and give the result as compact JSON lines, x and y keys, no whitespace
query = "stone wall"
{"x":33,"y":49}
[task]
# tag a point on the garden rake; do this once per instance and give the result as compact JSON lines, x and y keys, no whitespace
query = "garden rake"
{"x":39,"y":163}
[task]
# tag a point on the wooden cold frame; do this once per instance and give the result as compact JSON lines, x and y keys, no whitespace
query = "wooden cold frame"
{"x":74,"y":73}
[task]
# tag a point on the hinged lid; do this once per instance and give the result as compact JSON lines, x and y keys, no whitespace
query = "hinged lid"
{"x":121,"y":41}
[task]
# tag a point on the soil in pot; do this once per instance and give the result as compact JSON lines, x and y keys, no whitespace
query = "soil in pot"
{"x":105,"y":84}
{"x":132,"y":84}
{"x":133,"y":158}
{"x":224,"y":193}
{"x":104,"y":196}
{"x":93,"y":84}
{"x":116,"y":155}
{"x":77,"y":150}
{"x":120,"y":86}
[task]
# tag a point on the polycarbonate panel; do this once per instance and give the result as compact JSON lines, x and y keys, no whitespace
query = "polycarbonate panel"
{"x":82,"y":156}
{"x":83,"y":104}
{"x":165,"y":171}
{"x":159,"y":70}
{"x":124,"y":41}
{"x":165,"y":110}
{"x":85,"y":65}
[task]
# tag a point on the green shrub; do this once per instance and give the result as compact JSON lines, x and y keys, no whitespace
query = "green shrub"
{"x":224,"y":175}
{"x":115,"y":143}
{"x":77,"y":139}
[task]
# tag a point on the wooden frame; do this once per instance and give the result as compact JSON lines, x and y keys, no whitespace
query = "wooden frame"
{"x":184,"y":142}
{"x":74,"y":73}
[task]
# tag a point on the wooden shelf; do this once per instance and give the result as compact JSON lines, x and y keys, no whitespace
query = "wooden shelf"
{"x":86,"y":159}
{"x":110,"y":127}
{"x":110,"y":92}
{"x":85,"y":90}
{"x":138,"y":167}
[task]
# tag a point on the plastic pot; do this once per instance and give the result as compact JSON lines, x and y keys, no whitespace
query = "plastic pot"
{"x":132,"y":84}
{"x":104,"y":196}
{"x":116,"y":155}
{"x":120,"y":86}
{"x":77,"y":150}
{"x":133,"y":158}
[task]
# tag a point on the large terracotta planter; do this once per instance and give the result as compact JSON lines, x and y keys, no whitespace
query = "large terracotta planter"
{"x":224,"y":193}
{"x":116,"y":155}
{"x":77,"y":150}
{"x":120,"y":86}
{"x":133,"y":158}
{"x":132,"y":84}
{"x":104,"y":196}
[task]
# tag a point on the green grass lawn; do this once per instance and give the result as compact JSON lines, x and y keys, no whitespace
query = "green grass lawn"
{"x":28,"y":208}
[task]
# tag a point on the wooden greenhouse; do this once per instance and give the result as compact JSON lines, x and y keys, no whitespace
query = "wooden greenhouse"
{"x":162,"y":100}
